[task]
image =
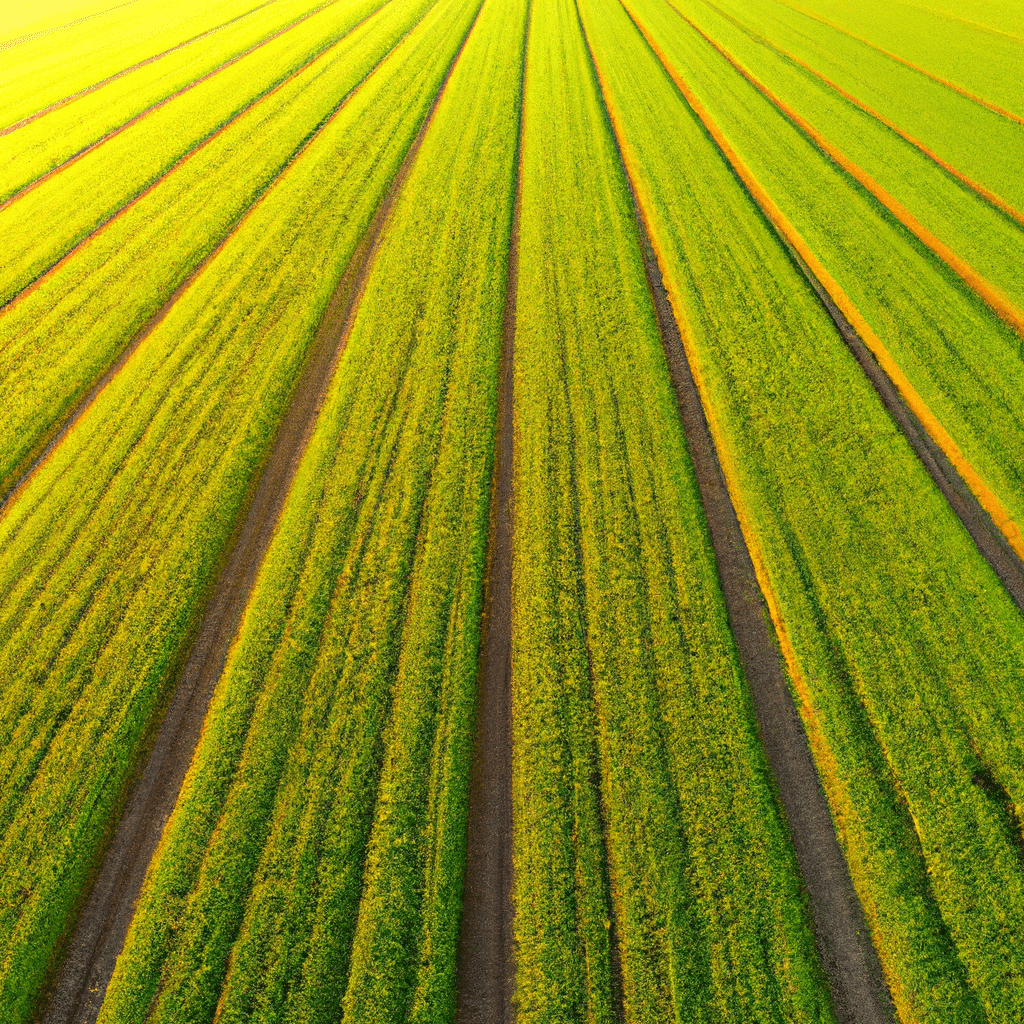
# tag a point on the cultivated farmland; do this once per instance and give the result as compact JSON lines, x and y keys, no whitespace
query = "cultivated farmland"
{"x":511,"y":510}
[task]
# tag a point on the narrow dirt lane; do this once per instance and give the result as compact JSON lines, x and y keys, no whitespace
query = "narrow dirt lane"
{"x":89,"y":958}
{"x":486,"y":969}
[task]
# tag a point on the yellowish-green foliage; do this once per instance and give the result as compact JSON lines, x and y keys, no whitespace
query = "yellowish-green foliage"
{"x":45,"y":143}
{"x":106,"y":555}
{"x":639,"y":781}
{"x":59,"y":337}
{"x":910,"y":650}
{"x":314,"y":865}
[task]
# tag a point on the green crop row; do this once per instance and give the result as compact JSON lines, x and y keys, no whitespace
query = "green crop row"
{"x":907,"y":652}
{"x":42,"y":225}
{"x":963,"y":361}
{"x":62,"y":335}
{"x":313,"y":866}
{"x":42,"y":145}
{"x":980,"y":143}
{"x":978,"y":232}
{"x":106,"y":555}
{"x":647,"y":837}
{"x":37,"y":73}
{"x":985,"y":63}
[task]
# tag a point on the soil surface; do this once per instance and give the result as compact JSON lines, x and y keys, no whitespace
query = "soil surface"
{"x":91,"y":953}
{"x":986,"y":535}
{"x":850,"y":962}
{"x":485,"y":969}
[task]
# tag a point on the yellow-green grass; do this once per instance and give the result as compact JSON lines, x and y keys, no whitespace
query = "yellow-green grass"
{"x":964,"y":362}
{"x":987,"y":64}
{"x":640,"y":794}
{"x":980,"y":143}
{"x":906,"y":651}
{"x":991,"y":243}
{"x":51,"y":66}
{"x":39,"y":147}
{"x":63,"y":334}
{"x":42,"y":225}
{"x":106,"y":556}
{"x":313,"y":866}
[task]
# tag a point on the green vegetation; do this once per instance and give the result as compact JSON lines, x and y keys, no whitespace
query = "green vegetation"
{"x":62,"y":335}
{"x":106,"y":556}
{"x":909,"y":651}
{"x":314,"y":864}
{"x":47,"y":142}
{"x":44,"y":224}
{"x":639,"y":781}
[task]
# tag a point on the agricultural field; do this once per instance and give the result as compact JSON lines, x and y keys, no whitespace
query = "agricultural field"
{"x":512,"y":511}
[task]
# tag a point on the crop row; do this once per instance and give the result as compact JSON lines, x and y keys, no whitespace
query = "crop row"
{"x":49,"y":141}
{"x":42,"y":225}
{"x":107,"y":553}
{"x":904,"y":651}
{"x":313,"y":867}
{"x":648,"y":841}
{"x":60,"y":336}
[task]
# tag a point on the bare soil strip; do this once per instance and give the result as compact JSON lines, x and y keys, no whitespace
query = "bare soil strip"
{"x":986,"y":535}
{"x":134,"y":67}
{"x":486,"y":971}
{"x":906,"y":63}
{"x":74,"y":158}
{"x":89,"y":958}
{"x":13,"y":485}
{"x":990,"y":197}
{"x":851,"y":965}
{"x":9,"y":44}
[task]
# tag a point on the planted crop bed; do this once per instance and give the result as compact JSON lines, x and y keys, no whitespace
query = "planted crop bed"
{"x":511,"y":510}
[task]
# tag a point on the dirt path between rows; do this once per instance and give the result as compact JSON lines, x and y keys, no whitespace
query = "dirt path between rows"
{"x":979,"y":524}
{"x":850,"y":962}
{"x":486,"y":970}
{"x":89,"y":958}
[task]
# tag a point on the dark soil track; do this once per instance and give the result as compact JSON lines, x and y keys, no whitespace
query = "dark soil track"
{"x":91,"y":953}
{"x":485,"y":968}
{"x":851,"y":965}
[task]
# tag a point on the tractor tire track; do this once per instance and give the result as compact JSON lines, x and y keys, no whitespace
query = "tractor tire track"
{"x":486,"y":969}
{"x":960,"y":90}
{"x":984,"y":193}
{"x":851,"y":964}
{"x":127,"y":71}
{"x":113,"y":133}
{"x":189,"y":154}
{"x":996,"y":514}
{"x":18,"y":480}
{"x":88,"y":961}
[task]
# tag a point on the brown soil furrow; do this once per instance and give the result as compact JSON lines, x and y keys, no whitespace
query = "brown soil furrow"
{"x":15,"y":483}
{"x":75,"y":157}
{"x":851,"y":965}
{"x":127,"y":71}
{"x":486,"y":969}
{"x":984,"y":289}
{"x":88,"y":960}
{"x":906,"y":63}
{"x":196,"y":148}
{"x":9,"y":44}
{"x":990,"y":197}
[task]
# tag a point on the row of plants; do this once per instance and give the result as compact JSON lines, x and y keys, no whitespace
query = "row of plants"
{"x":45,"y":224}
{"x":313,"y":866}
{"x":45,"y":143}
{"x":904,"y":651}
{"x":654,"y":876}
{"x":106,"y":556}
{"x":62,"y":335}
